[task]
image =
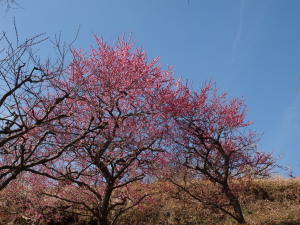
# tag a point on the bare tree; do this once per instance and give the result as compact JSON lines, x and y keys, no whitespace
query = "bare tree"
{"x":9,"y":4}
{"x":29,"y":118}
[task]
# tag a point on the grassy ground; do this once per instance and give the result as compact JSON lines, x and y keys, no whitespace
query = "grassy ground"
{"x":271,"y":202}
{"x":274,"y":201}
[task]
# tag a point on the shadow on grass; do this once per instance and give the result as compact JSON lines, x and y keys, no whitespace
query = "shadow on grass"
{"x":291,"y":222}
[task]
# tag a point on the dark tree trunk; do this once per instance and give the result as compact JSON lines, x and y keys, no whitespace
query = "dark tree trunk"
{"x":238,"y":211}
{"x":104,"y":207}
{"x":103,"y":220}
{"x":234,"y":201}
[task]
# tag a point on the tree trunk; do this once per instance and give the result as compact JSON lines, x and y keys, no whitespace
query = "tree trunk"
{"x":238,"y":211}
{"x":104,"y":206}
{"x":234,"y":201}
{"x":103,"y":221}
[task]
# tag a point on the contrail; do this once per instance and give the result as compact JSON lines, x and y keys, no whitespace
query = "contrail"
{"x":239,"y":33}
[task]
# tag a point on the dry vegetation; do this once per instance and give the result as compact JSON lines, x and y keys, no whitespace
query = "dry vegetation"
{"x":274,"y":201}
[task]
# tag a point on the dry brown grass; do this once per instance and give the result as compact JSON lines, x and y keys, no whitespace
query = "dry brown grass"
{"x":274,"y":201}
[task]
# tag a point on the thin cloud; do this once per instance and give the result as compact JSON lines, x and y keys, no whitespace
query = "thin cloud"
{"x":239,"y":32}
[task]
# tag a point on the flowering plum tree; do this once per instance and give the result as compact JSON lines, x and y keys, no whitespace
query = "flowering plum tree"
{"x":24,"y":200}
{"x":211,"y":141}
{"x":114,"y":119}
{"x":115,"y":87}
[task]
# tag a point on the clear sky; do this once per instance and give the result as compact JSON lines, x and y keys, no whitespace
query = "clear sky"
{"x":251,"y":48}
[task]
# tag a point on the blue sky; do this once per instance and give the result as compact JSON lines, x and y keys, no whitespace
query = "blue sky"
{"x":251,"y":48}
